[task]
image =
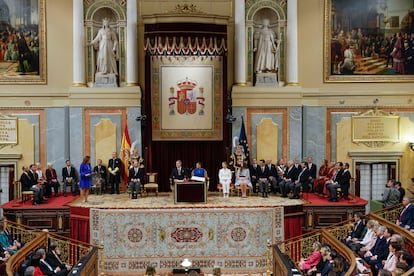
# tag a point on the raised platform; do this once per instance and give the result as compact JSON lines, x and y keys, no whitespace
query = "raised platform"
{"x":53,"y":215}
{"x":231,"y":233}
{"x":320,"y":213}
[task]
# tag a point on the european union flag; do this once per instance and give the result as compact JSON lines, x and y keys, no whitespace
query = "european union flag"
{"x":243,"y":141}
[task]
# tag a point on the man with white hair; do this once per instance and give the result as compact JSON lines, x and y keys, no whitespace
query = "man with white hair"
{"x":52,"y":180}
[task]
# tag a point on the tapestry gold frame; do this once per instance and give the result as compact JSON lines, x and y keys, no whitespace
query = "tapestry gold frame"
{"x":30,"y":77}
{"x":330,"y":75}
{"x":163,"y":94}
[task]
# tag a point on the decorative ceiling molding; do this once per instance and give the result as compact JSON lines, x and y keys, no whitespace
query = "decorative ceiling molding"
{"x":186,"y":9}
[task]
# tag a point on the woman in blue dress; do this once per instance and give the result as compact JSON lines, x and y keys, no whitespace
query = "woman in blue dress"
{"x":85,"y":178}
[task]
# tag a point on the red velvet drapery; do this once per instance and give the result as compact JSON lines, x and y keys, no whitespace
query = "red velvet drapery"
{"x":79,"y":224}
{"x":163,"y":154}
{"x":293,"y":225}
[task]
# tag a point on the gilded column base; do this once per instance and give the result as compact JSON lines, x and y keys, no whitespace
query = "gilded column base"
{"x":240,"y":83}
{"x":79,"y":84}
{"x":130,"y":84}
{"x":292,"y":84}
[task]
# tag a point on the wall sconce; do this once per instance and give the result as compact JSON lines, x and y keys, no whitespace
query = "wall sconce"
{"x":411,"y":145}
{"x":141,"y":118}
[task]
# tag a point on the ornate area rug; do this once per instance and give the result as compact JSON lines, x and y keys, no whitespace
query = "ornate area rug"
{"x":231,"y":238}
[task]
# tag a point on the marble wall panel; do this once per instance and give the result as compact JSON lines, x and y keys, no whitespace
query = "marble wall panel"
{"x":134,"y":127}
{"x":76,"y":136}
{"x":314,"y":122}
{"x":95,"y":119}
{"x":56,"y":139}
{"x":295,"y":132}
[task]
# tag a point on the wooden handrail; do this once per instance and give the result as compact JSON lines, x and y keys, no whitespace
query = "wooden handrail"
{"x":71,"y":250}
{"x":15,"y":262}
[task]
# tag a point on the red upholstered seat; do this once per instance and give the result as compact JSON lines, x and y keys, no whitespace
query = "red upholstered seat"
{"x":220,"y":187}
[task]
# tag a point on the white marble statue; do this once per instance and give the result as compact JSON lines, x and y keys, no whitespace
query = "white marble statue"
{"x":266,"y":46}
{"x":106,"y":44}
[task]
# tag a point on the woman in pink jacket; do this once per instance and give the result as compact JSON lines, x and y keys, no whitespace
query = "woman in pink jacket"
{"x":313,"y":259}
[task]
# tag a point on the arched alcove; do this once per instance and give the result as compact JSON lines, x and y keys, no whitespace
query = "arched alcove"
{"x":255,"y":14}
{"x":94,"y":14}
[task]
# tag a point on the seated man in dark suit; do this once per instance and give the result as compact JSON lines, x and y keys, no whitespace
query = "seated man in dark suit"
{"x":53,"y":257}
{"x":262,"y":174}
{"x":69,"y":176}
{"x":25,"y":179}
{"x":335,"y":183}
{"x":358,"y":229}
{"x":135,"y":179}
{"x":380,"y":250}
{"x":100,"y":171}
{"x":48,"y":269}
{"x":273,"y":176}
{"x":301,"y":181}
{"x":177,"y":174}
{"x":288,"y":178}
{"x":253,"y":174}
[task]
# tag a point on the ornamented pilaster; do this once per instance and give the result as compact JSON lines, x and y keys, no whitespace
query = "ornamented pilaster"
{"x":292,"y":43}
{"x":240,"y":43}
{"x":132,"y":47}
{"x":78,"y":45}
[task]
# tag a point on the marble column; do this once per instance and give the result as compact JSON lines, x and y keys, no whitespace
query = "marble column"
{"x":292,"y":43}
{"x":78,"y":44}
{"x":240,"y":43}
{"x":132,"y":47}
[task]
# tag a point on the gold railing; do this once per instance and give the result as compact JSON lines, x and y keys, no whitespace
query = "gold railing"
{"x":71,"y":250}
{"x":408,"y":236}
{"x":390,"y":213}
{"x":296,"y":249}
{"x":301,"y":247}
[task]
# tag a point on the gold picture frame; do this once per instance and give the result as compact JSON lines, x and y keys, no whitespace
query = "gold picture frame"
{"x":359,"y":44}
{"x":187,"y":98}
{"x":23,"y":49}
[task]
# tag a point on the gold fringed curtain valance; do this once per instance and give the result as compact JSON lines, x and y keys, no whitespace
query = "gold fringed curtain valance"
{"x":202,"y":46}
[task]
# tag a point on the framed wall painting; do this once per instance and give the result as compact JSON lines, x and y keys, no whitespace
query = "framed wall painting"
{"x":22,"y":42}
{"x":369,"y":41}
{"x":187,"y":98}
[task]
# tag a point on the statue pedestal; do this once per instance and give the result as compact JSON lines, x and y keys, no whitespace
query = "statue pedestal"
{"x":266,"y":79}
{"x":105,"y":80}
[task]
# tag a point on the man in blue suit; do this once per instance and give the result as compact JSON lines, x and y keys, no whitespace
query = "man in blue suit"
{"x":406,"y":218}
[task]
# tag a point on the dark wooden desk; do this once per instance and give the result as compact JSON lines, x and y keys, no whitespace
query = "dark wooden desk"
{"x":191,"y":191}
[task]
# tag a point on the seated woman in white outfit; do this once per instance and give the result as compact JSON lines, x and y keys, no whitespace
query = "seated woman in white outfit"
{"x":243,"y":179}
{"x":225,"y":179}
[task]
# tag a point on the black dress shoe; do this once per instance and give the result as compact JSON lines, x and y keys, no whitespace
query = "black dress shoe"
{"x":295,"y":197}
{"x":64,"y":194}
{"x":34,"y":203}
{"x":333,"y":200}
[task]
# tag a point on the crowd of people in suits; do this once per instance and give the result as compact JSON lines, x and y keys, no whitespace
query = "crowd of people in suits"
{"x":45,"y":185}
{"x":290,"y":177}
{"x":378,"y":248}
{"x":378,"y":251}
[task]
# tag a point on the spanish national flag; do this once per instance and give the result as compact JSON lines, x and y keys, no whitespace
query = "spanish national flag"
{"x":125,"y":153}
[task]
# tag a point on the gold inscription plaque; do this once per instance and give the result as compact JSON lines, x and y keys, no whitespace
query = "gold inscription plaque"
{"x":8,"y":130}
{"x":375,"y":128}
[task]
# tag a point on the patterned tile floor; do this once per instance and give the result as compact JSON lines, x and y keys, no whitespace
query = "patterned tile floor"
{"x":166,"y":200}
